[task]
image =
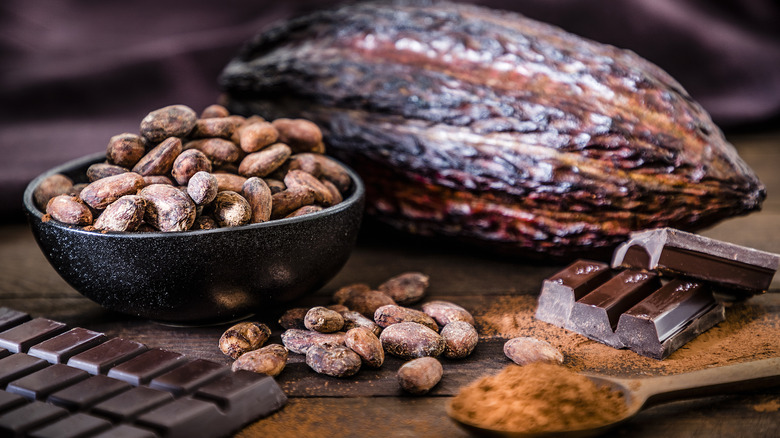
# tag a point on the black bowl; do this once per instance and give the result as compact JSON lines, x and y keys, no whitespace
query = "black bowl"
{"x":204,"y":276}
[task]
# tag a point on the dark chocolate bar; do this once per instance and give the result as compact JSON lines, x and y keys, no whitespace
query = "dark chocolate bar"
{"x":629,"y":308}
{"x":58,"y":383}
{"x":736,"y":269}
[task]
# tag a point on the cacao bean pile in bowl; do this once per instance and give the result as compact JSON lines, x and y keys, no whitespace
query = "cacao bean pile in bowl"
{"x":183,"y":232}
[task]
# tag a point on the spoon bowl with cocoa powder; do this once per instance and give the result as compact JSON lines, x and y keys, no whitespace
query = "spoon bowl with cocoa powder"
{"x":545,"y":400}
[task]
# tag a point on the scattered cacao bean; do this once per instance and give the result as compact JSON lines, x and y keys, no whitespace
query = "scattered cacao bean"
{"x":69,"y":210}
{"x":333,"y":360}
{"x":525,"y":350}
{"x":354,"y":319}
{"x":189,"y":163}
{"x":445,"y":312}
{"x":345,"y":292}
{"x":418,"y":376}
{"x":202,"y":188}
{"x":169,"y":121}
{"x":243,"y":337}
{"x":367,"y":302}
{"x":409,"y":340}
{"x":460,"y":339}
{"x":323,"y":320}
{"x":393,"y":314}
{"x":124,"y":214}
{"x":406,"y":288}
{"x":300,"y":341}
{"x":269,"y":360}
{"x":159,"y":160}
{"x":367,"y":345}
{"x":293,"y":318}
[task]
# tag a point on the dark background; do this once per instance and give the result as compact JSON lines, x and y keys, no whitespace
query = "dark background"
{"x":75,"y":72}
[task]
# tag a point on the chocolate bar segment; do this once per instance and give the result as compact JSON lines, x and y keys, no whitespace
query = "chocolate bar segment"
{"x":741,"y":270}
{"x":669,"y":318}
{"x":20,"y":338}
{"x":596,"y":314}
{"x":61,"y":347}
{"x":560,"y":291}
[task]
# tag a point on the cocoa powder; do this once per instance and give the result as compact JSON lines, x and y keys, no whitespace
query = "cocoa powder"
{"x":535,"y":398}
{"x":750,"y":332}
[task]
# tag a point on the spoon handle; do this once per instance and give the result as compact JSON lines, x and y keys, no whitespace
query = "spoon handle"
{"x":713,"y":381}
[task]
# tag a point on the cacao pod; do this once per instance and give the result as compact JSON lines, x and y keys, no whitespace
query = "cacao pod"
{"x":491,"y":127}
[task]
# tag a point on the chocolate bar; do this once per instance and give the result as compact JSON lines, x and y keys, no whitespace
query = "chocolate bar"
{"x":739,"y":270}
{"x":56,"y":382}
{"x":628,"y":308}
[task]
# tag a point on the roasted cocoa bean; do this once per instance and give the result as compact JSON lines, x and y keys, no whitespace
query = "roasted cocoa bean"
{"x":107,"y":190}
{"x":445,"y":312}
{"x":275,"y":185}
{"x":124,"y":214}
{"x":299,"y":178}
{"x":345,"y":292}
{"x":354,"y":319}
{"x":51,"y":186}
{"x":103,"y":170}
{"x":159,"y":160}
{"x":300,"y":134}
{"x":203,"y":222}
{"x":229,"y":181}
{"x":406,"y":288}
{"x":323,"y":320}
{"x":230,"y":209}
{"x":189,"y":163}
{"x":269,"y":360}
{"x":293,"y":318}
{"x":335,"y":195}
{"x":367,"y":302}
{"x":259,"y":196}
{"x":338,"y":308}
{"x":306,"y":209}
{"x":214,"y":127}
{"x":420,"y":375}
{"x":202,"y":187}
{"x":525,"y":350}
{"x":125,"y":149}
{"x":332,"y":171}
{"x":219,"y":150}
{"x":289,"y":200}
{"x":157,"y":179}
{"x":460,"y":339}
{"x":167,"y":208}
{"x":300,"y":341}
{"x":367,"y":345}
{"x":333,"y":360}
{"x":393,"y":314}
{"x":264,"y":162}
{"x":410,"y":340}
{"x":169,"y":121}
{"x":214,"y":110}
{"x":243,"y":337}
{"x":69,"y":210}
{"x":257,"y":136}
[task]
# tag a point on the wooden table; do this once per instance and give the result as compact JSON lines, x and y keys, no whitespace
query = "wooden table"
{"x":371,"y":403}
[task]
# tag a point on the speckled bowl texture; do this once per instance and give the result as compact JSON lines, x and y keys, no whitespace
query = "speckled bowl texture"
{"x":205,"y":276}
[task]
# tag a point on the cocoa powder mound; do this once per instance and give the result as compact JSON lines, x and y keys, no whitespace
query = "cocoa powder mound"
{"x":751,"y":331}
{"x":538,"y":397}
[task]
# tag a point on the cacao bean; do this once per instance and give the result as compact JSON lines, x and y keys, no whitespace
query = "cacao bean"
{"x":367,"y":345}
{"x":230,"y":209}
{"x":445,"y":312}
{"x":204,"y":222}
{"x":51,"y":186}
{"x":218,"y":150}
{"x":159,"y":160}
{"x":300,"y":134}
{"x":157,"y":179}
{"x":333,"y":360}
{"x":300,"y":341}
{"x":215,"y":127}
{"x":259,"y":196}
{"x":257,"y":136}
{"x":169,"y":121}
{"x":367,"y":302}
{"x":103,"y":170}
{"x":289,"y":200}
{"x":275,"y":185}
{"x":104,"y":191}
{"x":306,"y":209}
{"x":393,"y":314}
{"x":167,"y":208}
{"x":460,"y":339}
{"x":189,"y":163}
{"x":354,"y":319}
{"x":243,"y":337}
{"x":202,"y":187}
{"x":345,"y":292}
{"x":269,"y":360}
{"x":299,"y":178}
{"x":293,"y":318}
{"x":406,"y":288}
{"x":214,"y":110}
{"x":323,"y":320}
{"x":124,"y":214}
{"x":229,"y":182}
{"x":125,"y":149}
{"x":409,"y":340}
{"x":418,"y":376}
{"x":525,"y":350}
{"x":69,"y":210}
{"x":265,"y":161}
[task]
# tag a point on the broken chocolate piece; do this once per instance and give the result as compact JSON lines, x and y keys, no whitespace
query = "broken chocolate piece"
{"x":740,"y":270}
{"x":596,"y":314}
{"x":669,"y":318}
{"x":560,"y":291}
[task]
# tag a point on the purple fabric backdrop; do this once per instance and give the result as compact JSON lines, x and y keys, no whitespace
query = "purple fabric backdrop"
{"x":75,"y":72}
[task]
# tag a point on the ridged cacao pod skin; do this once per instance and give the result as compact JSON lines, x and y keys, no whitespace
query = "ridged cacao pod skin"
{"x":491,"y":127}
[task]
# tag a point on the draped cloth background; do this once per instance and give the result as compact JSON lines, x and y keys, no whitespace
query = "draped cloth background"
{"x":75,"y":72}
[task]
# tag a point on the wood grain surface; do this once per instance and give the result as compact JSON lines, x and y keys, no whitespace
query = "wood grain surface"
{"x":371,"y":403}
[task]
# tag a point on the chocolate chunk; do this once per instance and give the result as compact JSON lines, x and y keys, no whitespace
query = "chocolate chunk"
{"x":596,"y":314}
{"x":88,"y":392}
{"x":669,"y":318}
{"x":560,"y":291}
{"x":19,"y":365}
{"x":141,"y":369}
{"x":740,"y":270}
{"x":10,"y":318}
{"x":23,"y":336}
{"x":243,"y":388}
{"x":100,"y":359}
{"x":187,"y":378}
{"x":74,"y":426}
{"x":40,"y":384}
{"x":29,"y":416}
{"x":61,"y":347}
{"x":10,"y":401}
{"x":129,"y":404}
